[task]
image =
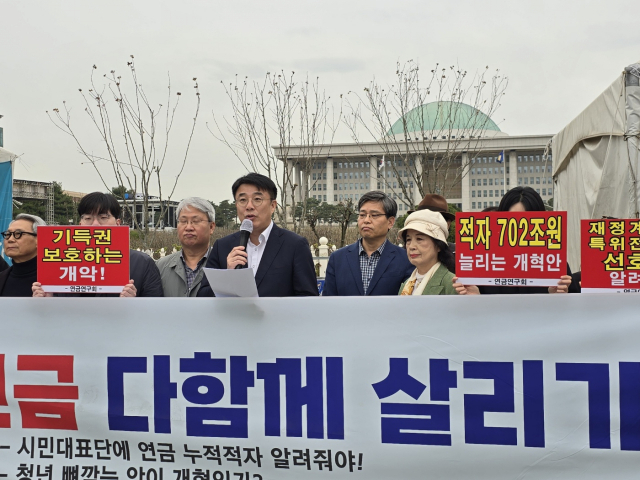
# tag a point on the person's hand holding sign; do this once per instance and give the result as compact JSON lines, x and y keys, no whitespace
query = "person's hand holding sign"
{"x":129,"y":290}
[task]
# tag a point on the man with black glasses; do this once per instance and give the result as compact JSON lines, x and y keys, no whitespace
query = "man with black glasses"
{"x":21,"y":245}
{"x":102,"y":209}
{"x":372,"y":265}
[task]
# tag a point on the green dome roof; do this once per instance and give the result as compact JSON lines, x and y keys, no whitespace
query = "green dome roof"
{"x":444,"y":116}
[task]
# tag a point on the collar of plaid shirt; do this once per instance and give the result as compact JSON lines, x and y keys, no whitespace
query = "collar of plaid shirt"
{"x":368,"y":263}
{"x":191,"y":274}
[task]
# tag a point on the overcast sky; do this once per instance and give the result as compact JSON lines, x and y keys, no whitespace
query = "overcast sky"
{"x":558,"y":55}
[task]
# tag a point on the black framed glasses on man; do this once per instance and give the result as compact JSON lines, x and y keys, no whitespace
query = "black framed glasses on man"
{"x":17,"y":234}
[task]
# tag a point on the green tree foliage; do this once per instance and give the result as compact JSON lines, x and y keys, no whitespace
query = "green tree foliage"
{"x":120,"y":191}
{"x":225,"y":214}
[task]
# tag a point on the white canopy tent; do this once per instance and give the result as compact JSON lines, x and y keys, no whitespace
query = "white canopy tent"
{"x":596,"y":159}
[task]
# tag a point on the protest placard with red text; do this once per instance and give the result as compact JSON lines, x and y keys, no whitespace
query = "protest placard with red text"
{"x":511,"y":248}
{"x":610,"y":255}
{"x":73,"y":259}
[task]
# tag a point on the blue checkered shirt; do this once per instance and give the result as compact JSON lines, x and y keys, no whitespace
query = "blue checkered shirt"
{"x":368,"y":264}
{"x":191,"y":274}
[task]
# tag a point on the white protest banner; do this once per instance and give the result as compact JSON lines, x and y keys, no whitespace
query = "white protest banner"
{"x":486,"y":387}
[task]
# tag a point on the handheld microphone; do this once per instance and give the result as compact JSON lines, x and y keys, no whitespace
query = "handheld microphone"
{"x":245,"y":231}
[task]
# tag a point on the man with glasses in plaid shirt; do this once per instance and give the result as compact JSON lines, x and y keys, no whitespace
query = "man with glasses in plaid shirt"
{"x":372,"y":265}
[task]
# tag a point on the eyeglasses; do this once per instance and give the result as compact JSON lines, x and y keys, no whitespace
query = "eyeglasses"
{"x":195,"y":222}
{"x":103,"y":218}
{"x":256,"y":201}
{"x":17,"y":234}
{"x":373,"y":216}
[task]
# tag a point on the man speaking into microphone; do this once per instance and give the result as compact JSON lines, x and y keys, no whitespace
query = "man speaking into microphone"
{"x":281,"y":260}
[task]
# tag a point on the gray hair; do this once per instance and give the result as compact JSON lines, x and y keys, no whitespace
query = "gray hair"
{"x":388,"y":204}
{"x":35,"y":220}
{"x":199,"y":204}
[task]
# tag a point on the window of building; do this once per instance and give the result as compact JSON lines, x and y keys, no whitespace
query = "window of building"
{"x":335,"y":176}
{"x":549,"y":168}
{"x":544,"y":191}
{"x":491,"y":181}
{"x":537,"y":158}
{"x":324,"y":176}
{"x":351,"y":186}
{"x":520,"y":181}
{"x":340,"y":165}
{"x":508,"y":181}
{"x":473,"y":182}
{"x":473,"y":171}
{"x":519,"y":169}
{"x":335,"y":186}
{"x":335,"y":164}
{"x":484,"y":181}
{"x":313,"y":188}
{"x":490,"y":171}
{"x":313,"y":176}
{"x":485,"y":204}
{"x":411,"y":184}
{"x":340,"y":197}
{"x":324,"y":186}
{"x":491,"y":193}
{"x":497,"y":193}
{"x":538,"y":191}
{"x":484,"y":171}
{"x":531,"y":180}
{"x":519,"y":158}
{"x":335,"y":198}
{"x":526,"y":180}
{"x":537,"y":180}
{"x":484,"y":159}
{"x":473,"y":205}
{"x":502,"y":192}
{"x":538,"y":168}
{"x":484,"y":193}
{"x":473,"y":193}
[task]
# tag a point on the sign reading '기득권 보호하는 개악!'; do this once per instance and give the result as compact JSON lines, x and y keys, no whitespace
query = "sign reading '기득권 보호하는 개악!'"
{"x":74,"y":259}
{"x":494,"y":387}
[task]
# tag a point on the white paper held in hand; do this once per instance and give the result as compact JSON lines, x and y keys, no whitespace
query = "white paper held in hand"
{"x":232,"y":283}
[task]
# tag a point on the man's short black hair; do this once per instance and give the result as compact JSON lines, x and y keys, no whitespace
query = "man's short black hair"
{"x":98,"y":203}
{"x":261,"y":182}
{"x":389,"y":205}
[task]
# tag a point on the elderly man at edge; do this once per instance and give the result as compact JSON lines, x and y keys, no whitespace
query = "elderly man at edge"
{"x":21,"y":245}
{"x":372,"y":265}
{"x":182,"y":272}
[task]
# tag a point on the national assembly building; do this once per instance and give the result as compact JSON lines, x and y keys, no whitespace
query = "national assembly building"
{"x":463,"y":156}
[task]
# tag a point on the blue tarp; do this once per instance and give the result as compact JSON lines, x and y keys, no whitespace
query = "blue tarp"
{"x":6,"y":195}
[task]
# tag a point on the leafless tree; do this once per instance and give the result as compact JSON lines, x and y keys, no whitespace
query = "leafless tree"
{"x":278,"y":111}
{"x":134,"y":133}
{"x":429,"y":155}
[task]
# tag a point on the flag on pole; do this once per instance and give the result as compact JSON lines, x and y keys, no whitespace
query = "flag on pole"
{"x":381,"y":164}
{"x":500,"y":157}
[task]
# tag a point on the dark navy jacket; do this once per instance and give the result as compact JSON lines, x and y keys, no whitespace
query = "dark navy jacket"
{"x":286,"y":267}
{"x":344,"y":276}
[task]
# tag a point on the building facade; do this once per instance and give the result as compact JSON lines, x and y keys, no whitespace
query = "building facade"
{"x":486,"y":165}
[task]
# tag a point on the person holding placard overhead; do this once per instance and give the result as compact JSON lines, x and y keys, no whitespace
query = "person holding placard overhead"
{"x":519,"y":199}
{"x":425,"y":238}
